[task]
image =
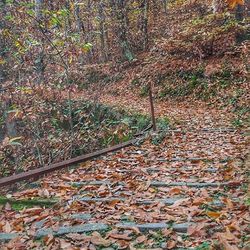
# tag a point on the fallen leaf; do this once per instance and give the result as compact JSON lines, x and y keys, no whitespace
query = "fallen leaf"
{"x":228,"y":236}
{"x":48,"y":239}
{"x":120,"y":236}
{"x":214,"y":215}
{"x":140,"y":239}
{"x":64,"y":244}
{"x":97,"y":240}
{"x":78,"y":237}
{"x":171,"y":244}
{"x":179,"y":202}
{"x":175,"y":190}
{"x":7,"y":227}
{"x":224,"y":243}
{"x":195,"y":229}
{"x":228,"y":202}
{"x":167,"y":231}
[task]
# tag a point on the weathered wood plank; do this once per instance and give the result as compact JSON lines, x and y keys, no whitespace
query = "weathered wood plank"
{"x":162,"y":184}
{"x":181,"y":228}
{"x":8,"y":236}
{"x":71,"y":229}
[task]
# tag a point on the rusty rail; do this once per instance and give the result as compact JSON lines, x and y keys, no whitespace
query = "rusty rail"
{"x":60,"y":165}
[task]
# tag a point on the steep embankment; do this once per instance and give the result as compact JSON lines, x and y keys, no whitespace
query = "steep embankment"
{"x":193,"y":55}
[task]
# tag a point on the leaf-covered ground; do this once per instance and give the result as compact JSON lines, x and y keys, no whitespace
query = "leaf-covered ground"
{"x":185,"y":188}
{"x":189,"y":191}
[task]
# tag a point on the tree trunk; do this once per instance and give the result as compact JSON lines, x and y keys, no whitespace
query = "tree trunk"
{"x":38,"y":9}
{"x":247,"y":9}
{"x":241,"y":15}
{"x":145,"y":23}
{"x":79,"y":23}
{"x":119,"y":8}
{"x":9,"y":127}
{"x":3,"y":69}
{"x":9,"y":130}
{"x":89,"y":32}
{"x":165,"y":6}
{"x":39,"y":62}
{"x":67,"y":19}
{"x":102,"y":31}
{"x":218,"y":6}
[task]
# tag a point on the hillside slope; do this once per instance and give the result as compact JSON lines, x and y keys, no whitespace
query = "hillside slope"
{"x":193,"y":55}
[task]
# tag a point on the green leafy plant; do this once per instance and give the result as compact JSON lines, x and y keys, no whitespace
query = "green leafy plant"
{"x":203,"y":246}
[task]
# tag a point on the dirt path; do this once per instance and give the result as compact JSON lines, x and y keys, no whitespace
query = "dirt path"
{"x":195,"y":114}
{"x":187,"y":192}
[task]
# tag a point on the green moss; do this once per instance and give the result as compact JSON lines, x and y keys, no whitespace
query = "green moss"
{"x":144,"y":91}
{"x":20,"y":204}
{"x":135,"y":82}
{"x":203,"y":246}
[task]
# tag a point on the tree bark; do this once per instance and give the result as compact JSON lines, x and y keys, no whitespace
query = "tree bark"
{"x":165,"y":6}
{"x":79,"y":22}
{"x":119,"y":9}
{"x":145,"y":23}
{"x":218,"y":6}
{"x":239,"y":13}
{"x":39,"y":61}
{"x":8,"y":129}
{"x":3,"y":70}
{"x":102,"y":31}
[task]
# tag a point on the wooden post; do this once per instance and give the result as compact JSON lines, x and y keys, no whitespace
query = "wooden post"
{"x":152,"y":106}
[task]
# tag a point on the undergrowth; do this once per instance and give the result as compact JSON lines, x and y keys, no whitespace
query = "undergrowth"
{"x":66,"y":129}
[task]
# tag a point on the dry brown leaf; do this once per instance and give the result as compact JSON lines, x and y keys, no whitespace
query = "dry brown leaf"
{"x":175,"y":190}
{"x":228,"y":202}
{"x":140,"y":239}
{"x":48,"y":239}
{"x":234,"y":226}
{"x":64,"y":244}
{"x":246,"y":247}
{"x":228,"y":236}
{"x":120,"y":236}
{"x":7,"y":206}
{"x":98,"y":240}
{"x":66,"y":178}
{"x":78,"y":237}
{"x":7,"y":227}
{"x":167,"y":231}
{"x":114,"y":202}
{"x":44,"y":193}
{"x":199,"y":201}
{"x":33,"y":211}
{"x":196,"y":229}
{"x":171,"y":244}
{"x":179,"y":202}
{"x":224,"y":243}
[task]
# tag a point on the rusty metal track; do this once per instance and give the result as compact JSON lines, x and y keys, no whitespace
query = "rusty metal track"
{"x":50,"y":168}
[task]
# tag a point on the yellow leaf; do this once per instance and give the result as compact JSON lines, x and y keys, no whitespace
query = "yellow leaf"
{"x":70,"y":59}
{"x":233,"y":3}
{"x":2,"y":61}
{"x":214,"y":215}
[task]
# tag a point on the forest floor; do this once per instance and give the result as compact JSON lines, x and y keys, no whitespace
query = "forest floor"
{"x":188,"y":192}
